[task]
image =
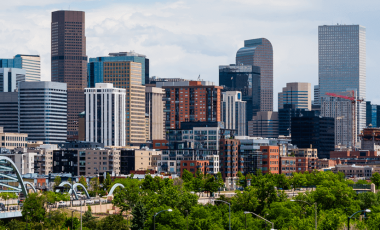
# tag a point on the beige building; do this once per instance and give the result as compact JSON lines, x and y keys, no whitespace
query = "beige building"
{"x":295,"y":93}
{"x":13,"y":140}
{"x":355,"y":170}
{"x":23,"y":159}
{"x":154,"y":107}
{"x":44,"y":158}
{"x":100,"y":161}
{"x":308,"y":152}
{"x":146,"y":159}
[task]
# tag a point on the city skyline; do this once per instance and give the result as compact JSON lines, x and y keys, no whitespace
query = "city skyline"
{"x":187,"y":42}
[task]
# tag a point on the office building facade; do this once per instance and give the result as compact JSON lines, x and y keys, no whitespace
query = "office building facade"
{"x":341,"y":110}
{"x":43,"y":111}
{"x":96,"y":67}
{"x":246,"y":79}
{"x":105,"y":115}
{"x":9,"y":112}
{"x":285,"y":118}
{"x":10,"y":79}
{"x":259,"y":52}
{"x":30,"y":63}
{"x":342,"y":63}
{"x":69,"y":62}
{"x":372,"y":115}
{"x":310,"y":129}
{"x":154,"y":108}
{"x":233,"y":112}
{"x":264,"y":124}
{"x":190,"y":101}
{"x":297,"y":94}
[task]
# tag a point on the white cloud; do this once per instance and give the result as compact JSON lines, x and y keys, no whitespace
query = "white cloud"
{"x":187,"y":38}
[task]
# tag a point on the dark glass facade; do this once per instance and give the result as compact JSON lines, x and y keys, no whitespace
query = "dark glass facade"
{"x":9,"y":112}
{"x":259,"y":52}
{"x":69,"y":62}
{"x":66,"y":161}
{"x":244,"y":78}
{"x":309,"y":130}
{"x":285,"y":118}
{"x":372,"y":115}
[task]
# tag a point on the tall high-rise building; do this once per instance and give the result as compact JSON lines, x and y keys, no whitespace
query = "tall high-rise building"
{"x":154,"y":107}
{"x":233,"y":112}
{"x":246,"y":79}
{"x":342,"y":63}
{"x":129,"y":78}
{"x":297,"y":94}
{"x":9,"y":112}
{"x":10,"y":79}
{"x":190,"y":101}
{"x":105,"y":115}
{"x":285,"y":118}
{"x":341,"y":110}
{"x":259,"y":52}
{"x":96,"y":65}
{"x":43,"y":111}
{"x":30,"y":63}
{"x":264,"y":124}
{"x":316,"y":95}
{"x":69,"y":62}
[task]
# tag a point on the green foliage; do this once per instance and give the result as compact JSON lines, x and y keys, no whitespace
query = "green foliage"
{"x":113,"y":222}
{"x":83,"y":181}
{"x":57,"y":180}
{"x":376,"y":179}
{"x":107,"y":182}
{"x":33,"y":207}
{"x":139,"y":213}
{"x":75,"y":222}
{"x":187,"y":176}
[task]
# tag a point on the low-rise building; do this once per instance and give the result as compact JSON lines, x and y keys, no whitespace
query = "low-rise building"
{"x":194,"y":166}
{"x":354,"y":170}
{"x":271,"y":159}
{"x":138,"y":160}
{"x":288,"y":165}
{"x":13,"y":140}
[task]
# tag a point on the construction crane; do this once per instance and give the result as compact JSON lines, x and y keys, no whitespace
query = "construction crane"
{"x":353,"y":108}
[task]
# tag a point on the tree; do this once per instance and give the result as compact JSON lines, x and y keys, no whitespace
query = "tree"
{"x":107,"y":182}
{"x":8,"y":195}
{"x":376,"y":179}
{"x":83,"y":181}
{"x":55,"y":218}
{"x":113,"y":222}
{"x":140,"y":214}
{"x":57,"y":180}
{"x":71,"y":221}
{"x":33,"y":207}
{"x":187,"y":176}
{"x":94,"y":184}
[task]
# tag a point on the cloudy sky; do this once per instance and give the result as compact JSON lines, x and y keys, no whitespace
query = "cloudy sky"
{"x":187,"y":38}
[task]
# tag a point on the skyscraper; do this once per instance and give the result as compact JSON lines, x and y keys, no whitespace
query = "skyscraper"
{"x":96,"y":65}
{"x":9,"y":112}
{"x":295,"y":93}
{"x":69,"y":62}
{"x":30,"y":63}
{"x":259,"y":52}
{"x":105,"y":115}
{"x":342,"y":63}
{"x":246,"y":79}
{"x":233,"y":112}
{"x":154,"y":107}
{"x":43,"y":111}
{"x":264,"y":124}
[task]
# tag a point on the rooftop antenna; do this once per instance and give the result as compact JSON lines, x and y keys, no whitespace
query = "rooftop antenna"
{"x":199,"y":77}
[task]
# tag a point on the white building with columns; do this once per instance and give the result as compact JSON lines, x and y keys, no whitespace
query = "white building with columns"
{"x":105,"y":114}
{"x":233,"y":112}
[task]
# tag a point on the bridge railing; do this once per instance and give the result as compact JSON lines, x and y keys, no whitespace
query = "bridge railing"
{"x":360,"y":186}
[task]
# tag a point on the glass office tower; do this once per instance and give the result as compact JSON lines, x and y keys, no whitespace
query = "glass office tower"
{"x":30,"y":63}
{"x":259,"y":52}
{"x":342,"y":63}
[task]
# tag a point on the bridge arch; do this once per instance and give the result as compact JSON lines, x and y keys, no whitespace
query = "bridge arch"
{"x":17,"y":179}
{"x":114,"y":187}
{"x":31,"y":185}
{"x":80,"y":185}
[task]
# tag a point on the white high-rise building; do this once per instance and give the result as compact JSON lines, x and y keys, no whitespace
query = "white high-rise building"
{"x":105,"y":114}
{"x":233,"y":112}
{"x":342,"y":63}
{"x":10,"y":79}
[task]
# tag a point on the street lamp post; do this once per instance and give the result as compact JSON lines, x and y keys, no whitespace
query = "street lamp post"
{"x":154,"y":217}
{"x":229,"y":209}
{"x":348,"y":219}
{"x":315,"y":205}
{"x":257,"y":216}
